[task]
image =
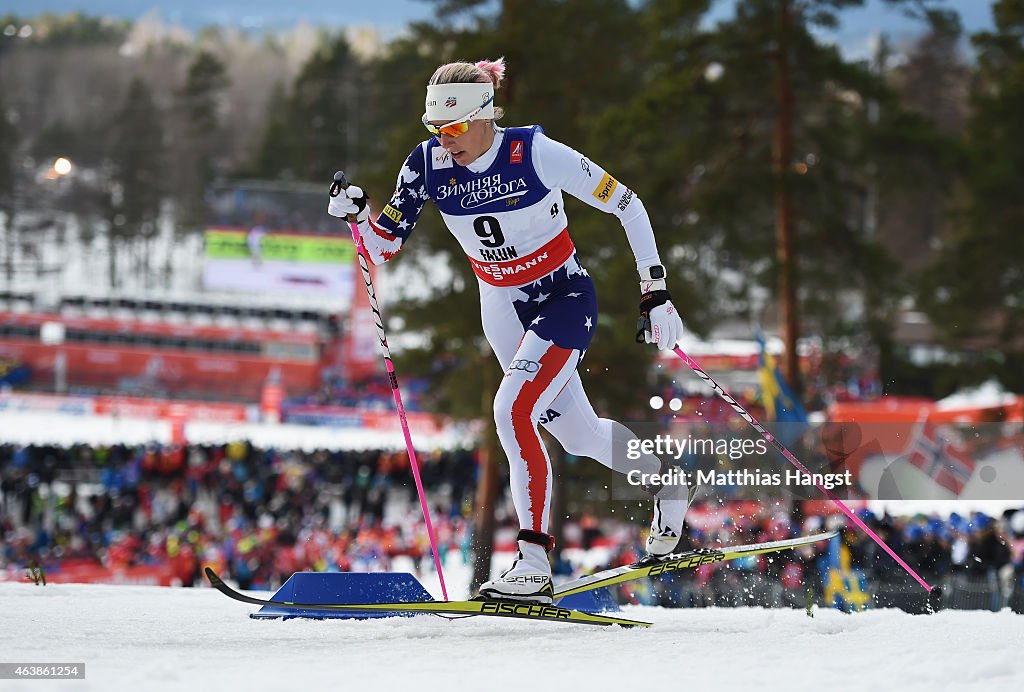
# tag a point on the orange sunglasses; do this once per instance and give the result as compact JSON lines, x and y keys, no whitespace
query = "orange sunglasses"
{"x":456,"y":127}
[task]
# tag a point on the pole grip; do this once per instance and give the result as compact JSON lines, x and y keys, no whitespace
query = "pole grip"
{"x":340,"y":183}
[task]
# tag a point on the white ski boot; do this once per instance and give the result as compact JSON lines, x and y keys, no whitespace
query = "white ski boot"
{"x":529,"y":578}
{"x":666,"y":527}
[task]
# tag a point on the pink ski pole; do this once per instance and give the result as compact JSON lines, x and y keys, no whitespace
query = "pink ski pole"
{"x":340,"y":183}
{"x":793,"y":460}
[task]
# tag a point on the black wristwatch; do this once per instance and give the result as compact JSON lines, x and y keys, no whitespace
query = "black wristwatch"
{"x":652,"y":273}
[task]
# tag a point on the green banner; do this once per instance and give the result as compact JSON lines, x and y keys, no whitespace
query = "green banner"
{"x":280,"y":247}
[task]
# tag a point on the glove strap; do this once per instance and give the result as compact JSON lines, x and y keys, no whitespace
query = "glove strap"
{"x":649,"y":301}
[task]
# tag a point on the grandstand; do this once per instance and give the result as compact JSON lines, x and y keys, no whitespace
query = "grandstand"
{"x":177,"y":348}
{"x":260,"y":292}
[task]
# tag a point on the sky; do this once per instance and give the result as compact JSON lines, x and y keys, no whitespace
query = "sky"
{"x":389,"y":16}
{"x":251,"y":14}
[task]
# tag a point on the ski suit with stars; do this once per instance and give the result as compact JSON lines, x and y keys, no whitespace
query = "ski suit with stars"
{"x":537,"y":302}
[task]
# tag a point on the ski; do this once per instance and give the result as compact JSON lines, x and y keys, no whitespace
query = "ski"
{"x":509,"y":609}
{"x":652,"y":567}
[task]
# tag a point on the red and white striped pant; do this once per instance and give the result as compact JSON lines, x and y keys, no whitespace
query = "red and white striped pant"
{"x":541,"y":382}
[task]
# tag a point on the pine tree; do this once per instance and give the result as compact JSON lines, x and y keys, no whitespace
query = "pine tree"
{"x":314,"y":129}
{"x":920,"y":151}
{"x":986,"y":240}
{"x":8,"y":156}
{"x":137,"y":155}
{"x":200,"y":145}
{"x":8,"y":171}
{"x":270,"y":159}
{"x":763,"y":163}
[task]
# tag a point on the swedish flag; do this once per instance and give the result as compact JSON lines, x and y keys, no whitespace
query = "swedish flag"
{"x":844,"y":585}
{"x":779,"y":400}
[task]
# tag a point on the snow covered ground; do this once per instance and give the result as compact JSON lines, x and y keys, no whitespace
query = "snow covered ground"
{"x":150,"y":638}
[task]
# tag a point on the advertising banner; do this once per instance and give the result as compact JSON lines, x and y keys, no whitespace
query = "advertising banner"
{"x":259,"y":260}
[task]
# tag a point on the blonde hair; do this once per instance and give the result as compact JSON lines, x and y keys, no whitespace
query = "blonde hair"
{"x":482,"y":72}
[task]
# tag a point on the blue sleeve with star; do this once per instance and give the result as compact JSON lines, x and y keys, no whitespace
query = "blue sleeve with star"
{"x":403,"y":209}
{"x":385,"y":235}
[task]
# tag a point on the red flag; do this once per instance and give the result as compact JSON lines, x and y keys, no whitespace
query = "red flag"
{"x":947,"y":464}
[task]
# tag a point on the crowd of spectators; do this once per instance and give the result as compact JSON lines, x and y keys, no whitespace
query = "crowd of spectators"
{"x":372,"y":393}
{"x":258,"y":515}
{"x":978,"y":559}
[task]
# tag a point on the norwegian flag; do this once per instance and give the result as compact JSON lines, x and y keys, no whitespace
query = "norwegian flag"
{"x":947,"y":464}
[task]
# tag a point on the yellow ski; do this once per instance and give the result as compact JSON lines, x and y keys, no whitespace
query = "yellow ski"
{"x":508,"y":609}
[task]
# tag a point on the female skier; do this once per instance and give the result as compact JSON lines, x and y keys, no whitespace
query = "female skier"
{"x":499,"y":191}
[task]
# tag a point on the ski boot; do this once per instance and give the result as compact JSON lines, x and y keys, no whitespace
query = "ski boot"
{"x":667,"y":525}
{"x":529,"y":578}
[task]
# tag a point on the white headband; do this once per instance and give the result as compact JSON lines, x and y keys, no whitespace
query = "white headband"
{"x":448,"y":102}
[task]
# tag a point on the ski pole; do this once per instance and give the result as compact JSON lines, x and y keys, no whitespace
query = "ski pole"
{"x":935,"y":590}
{"x":339,"y":184}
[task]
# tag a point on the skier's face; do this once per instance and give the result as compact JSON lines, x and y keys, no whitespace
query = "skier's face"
{"x":471,"y":145}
